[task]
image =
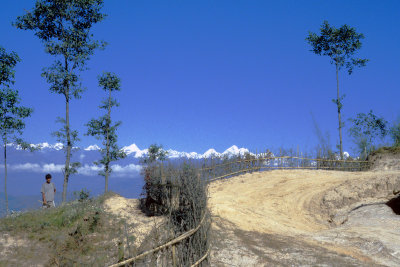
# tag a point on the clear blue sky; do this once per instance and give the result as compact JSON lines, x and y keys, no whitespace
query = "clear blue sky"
{"x":201,"y":74}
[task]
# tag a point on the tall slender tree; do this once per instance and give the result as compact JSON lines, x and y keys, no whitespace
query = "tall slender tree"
{"x":103,"y":128}
{"x":340,"y":45}
{"x":11,"y":113}
{"x":64,"y":27}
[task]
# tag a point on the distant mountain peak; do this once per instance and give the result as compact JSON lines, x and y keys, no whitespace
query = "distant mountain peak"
{"x":234,"y":150}
{"x":45,"y":145}
{"x":134,"y":149}
{"x":211,"y":153}
{"x":176,"y":154}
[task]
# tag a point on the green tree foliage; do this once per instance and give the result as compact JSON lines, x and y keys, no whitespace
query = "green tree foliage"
{"x":366,"y":128}
{"x":340,"y":45}
{"x":11,"y":113}
{"x":103,"y":128}
{"x":395,"y":133}
{"x":155,"y":152}
{"x":64,"y":27}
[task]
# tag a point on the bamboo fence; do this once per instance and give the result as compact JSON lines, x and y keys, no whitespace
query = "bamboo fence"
{"x":260,"y":163}
{"x":172,"y":244}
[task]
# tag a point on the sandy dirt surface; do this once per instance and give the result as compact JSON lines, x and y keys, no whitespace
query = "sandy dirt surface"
{"x":295,"y":212}
{"x":12,"y":246}
{"x":139,"y":225}
{"x":9,"y":243}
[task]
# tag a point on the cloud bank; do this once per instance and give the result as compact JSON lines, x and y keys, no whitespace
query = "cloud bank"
{"x":86,"y":170}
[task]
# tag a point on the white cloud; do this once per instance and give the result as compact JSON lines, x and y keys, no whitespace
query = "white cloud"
{"x":92,"y":147}
{"x":125,"y":171}
{"x":117,"y":170}
{"x":87,"y":170}
{"x":24,"y":167}
{"x":57,"y":168}
{"x":35,"y":167}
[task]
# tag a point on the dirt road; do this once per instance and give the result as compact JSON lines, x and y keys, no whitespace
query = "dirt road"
{"x":305,"y":218}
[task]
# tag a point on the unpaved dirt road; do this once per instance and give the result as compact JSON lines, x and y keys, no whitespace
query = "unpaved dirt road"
{"x":306,"y":218}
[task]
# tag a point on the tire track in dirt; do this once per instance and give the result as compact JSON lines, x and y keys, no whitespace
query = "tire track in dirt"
{"x":288,"y":204}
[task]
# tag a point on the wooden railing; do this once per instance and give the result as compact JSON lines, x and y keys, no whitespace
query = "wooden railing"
{"x":221,"y":170}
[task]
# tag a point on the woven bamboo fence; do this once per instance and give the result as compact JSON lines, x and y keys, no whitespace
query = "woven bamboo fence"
{"x":171,"y":243}
{"x":215,"y":169}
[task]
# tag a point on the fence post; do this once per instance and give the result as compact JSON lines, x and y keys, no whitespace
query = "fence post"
{"x":174,"y":256}
{"x":318,"y":159}
{"x":302,"y":160}
{"x":240,"y":164}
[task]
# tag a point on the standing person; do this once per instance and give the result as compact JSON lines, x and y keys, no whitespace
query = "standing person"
{"x":48,"y":192}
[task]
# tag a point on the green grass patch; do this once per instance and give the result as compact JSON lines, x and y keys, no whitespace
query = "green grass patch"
{"x":77,"y":233}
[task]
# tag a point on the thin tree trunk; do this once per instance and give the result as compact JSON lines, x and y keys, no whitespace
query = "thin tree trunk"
{"x":108,"y":141}
{"x":106,"y":178}
{"x":68,"y":134}
{"x":339,"y":115}
{"x":69,"y":148}
{"x":5,"y":176}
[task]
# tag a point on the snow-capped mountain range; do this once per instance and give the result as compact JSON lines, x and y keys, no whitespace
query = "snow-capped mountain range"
{"x":134,"y":151}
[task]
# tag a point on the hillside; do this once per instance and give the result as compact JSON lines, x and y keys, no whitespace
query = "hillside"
{"x":274,"y":218}
{"x":94,"y":232}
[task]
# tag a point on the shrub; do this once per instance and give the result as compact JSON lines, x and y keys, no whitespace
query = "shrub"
{"x":395,"y":134}
{"x":179,"y":193}
{"x":82,"y":195}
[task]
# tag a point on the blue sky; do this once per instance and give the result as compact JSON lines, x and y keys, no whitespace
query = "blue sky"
{"x":201,"y":74}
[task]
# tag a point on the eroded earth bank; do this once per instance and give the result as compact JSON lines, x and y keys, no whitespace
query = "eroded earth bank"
{"x":306,"y":218}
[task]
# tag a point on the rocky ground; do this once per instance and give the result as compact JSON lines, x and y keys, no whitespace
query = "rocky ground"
{"x":306,"y":218}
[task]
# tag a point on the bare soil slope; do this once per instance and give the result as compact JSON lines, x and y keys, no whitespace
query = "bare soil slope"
{"x":385,"y":158}
{"x":140,"y":225}
{"x":304,"y":217}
